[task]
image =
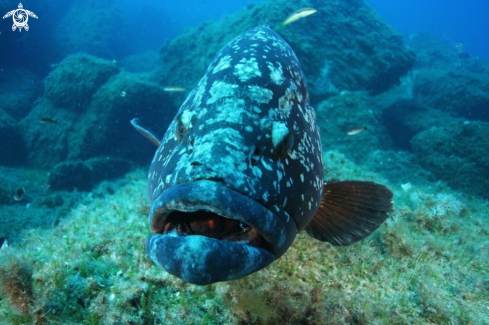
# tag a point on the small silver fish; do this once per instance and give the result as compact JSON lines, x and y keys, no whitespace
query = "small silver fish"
{"x":174,"y":89}
{"x":356,"y":130}
{"x":47,"y":120}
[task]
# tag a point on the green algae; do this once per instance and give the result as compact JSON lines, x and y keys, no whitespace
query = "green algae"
{"x":93,"y":269}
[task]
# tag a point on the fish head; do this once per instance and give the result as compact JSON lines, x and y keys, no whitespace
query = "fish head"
{"x":239,"y":171}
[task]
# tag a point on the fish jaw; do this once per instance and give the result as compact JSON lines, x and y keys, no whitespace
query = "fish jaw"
{"x":201,"y":259}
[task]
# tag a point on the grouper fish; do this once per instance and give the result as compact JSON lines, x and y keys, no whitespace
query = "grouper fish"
{"x":239,"y":172}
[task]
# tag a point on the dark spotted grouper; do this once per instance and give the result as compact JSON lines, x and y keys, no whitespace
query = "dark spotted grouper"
{"x":239,"y":172}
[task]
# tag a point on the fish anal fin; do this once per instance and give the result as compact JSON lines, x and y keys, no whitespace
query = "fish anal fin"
{"x":350,"y":211}
{"x":136,"y":123}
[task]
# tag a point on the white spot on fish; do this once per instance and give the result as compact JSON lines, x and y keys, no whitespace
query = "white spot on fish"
{"x":279,"y":132}
{"x":186,"y":118}
{"x":267,"y":166}
{"x":260,"y":94}
{"x":247,"y":69}
{"x":276,"y":73}
{"x":220,"y":90}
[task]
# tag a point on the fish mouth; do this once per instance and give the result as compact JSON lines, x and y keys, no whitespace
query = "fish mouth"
{"x":205,"y":232}
{"x":212,"y":225}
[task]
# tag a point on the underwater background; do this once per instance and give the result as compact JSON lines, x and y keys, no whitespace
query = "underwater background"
{"x":401,"y":93}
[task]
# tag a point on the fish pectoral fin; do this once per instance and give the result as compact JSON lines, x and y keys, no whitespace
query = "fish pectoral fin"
{"x":350,"y":211}
{"x":136,"y":123}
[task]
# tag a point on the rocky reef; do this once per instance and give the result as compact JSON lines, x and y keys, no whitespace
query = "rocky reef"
{"x":447,"y":79}
{"x":393,"y":276}
{"x":348,"y":48}
{"x":89,"y":103}
{"x":457,"y":153}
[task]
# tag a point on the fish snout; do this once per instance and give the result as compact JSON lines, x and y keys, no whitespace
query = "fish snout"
{"x":200,"y":171}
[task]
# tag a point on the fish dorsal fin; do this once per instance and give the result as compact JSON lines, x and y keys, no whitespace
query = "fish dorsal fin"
{"x":350,"y":211}
{"x":136,"y":123}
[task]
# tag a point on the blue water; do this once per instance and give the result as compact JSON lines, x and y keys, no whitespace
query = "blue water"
{"x":147,"y":24}
{"x":456,"y":21}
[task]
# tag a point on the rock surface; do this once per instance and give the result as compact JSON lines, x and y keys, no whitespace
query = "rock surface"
{"x":458,"y":154}
{"x":91,"y":104}
{"x":348,"y":48}
{"x":447,"y":79}
{"x":85,"y":175}
{"x":74,"y":81}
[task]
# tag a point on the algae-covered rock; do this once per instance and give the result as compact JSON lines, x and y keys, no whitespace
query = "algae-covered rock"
{"x":16,"y":282}
{"x":405,"y":118}
{"x":432,"y":52}
{"x":70,"y":175}
{"x":343,"y":46}
{"x":103,"y":126}
{"x":457,"y":153}
{"x":107,"y":168}
{"x":340,"y":114}
{"x":47,"y":143}
{"x":454,"y":90}
{"x":448,"y":79}
{"x":85,"y":175}
{"x":74,"y":81}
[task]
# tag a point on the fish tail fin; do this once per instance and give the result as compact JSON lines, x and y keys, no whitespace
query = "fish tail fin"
{"x":350,"y":211}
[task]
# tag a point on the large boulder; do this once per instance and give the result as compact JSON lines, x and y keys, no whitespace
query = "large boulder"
{"x":457,"y":153}
{"x":47,"y":143}
{"x":85,"y":175}
{"x":86,"y":112}
{"x":74,"y":81}
{"x":339,"y":115}
{"x":448,"y":79}
{"x":405,"y":118}
{"x":344,"y":46}
{"x":105,"y":128}
{"x":455,"y":91}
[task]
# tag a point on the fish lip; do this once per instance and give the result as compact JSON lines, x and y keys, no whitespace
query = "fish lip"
{"x":277,"y":228}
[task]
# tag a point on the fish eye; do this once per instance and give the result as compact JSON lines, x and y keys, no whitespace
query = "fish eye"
{"x":285,"y":145}
{"x":255,"y":158}
{"x":180,"y":131}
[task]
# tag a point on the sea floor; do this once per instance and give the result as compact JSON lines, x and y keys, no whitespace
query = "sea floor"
{"x":428,"y":264}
